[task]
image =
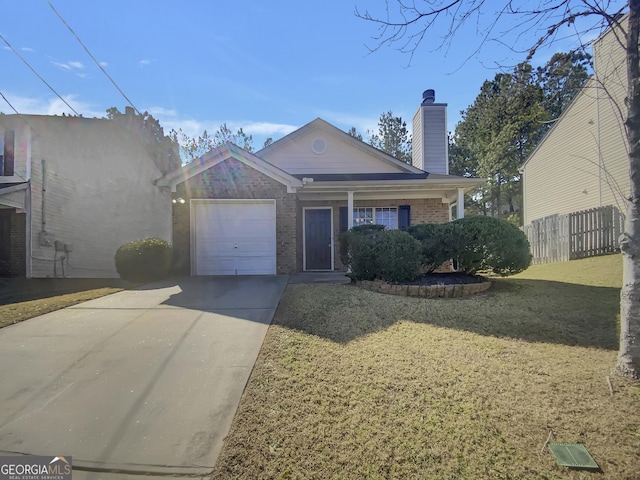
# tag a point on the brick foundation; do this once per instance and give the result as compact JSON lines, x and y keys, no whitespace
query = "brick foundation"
{"x":425,"y":291}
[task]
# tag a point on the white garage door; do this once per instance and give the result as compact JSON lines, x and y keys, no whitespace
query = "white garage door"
{"x":234,"y":237}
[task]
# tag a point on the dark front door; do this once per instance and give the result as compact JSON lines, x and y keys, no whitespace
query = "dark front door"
{"x":317,"y":237}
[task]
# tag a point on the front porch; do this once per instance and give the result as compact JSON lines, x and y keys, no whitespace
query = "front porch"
{"x":328,"y":208}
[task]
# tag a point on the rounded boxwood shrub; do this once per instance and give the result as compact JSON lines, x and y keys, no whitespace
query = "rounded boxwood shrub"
{"x":435,"y":247}
{"x":398,"y":255}
{"x":144,"y":260}
{"x":492,"y":244}
{"x":357,"y":251}
{"x":440,"y":242}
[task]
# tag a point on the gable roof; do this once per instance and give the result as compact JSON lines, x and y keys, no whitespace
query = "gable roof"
{"x":220,"y":154}
{"x":550,"y":134}
{"x":321,"y":125}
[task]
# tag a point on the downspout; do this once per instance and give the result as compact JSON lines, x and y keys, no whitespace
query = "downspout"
{"x":44,"y":190}
{"x":28,"y":242}
{"x":600,"y":166}
{"x":44,"y":239}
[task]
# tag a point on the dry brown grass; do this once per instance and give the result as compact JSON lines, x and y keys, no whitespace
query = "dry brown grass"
{"x":24,"y":298}
{"x":17,"y":312}
{"x":354,"y":384}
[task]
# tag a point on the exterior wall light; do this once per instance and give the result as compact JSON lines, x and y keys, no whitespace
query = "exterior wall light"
{"x":179,"y":200}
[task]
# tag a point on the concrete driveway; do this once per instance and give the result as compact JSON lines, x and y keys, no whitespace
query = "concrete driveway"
{"x":143,"y":381}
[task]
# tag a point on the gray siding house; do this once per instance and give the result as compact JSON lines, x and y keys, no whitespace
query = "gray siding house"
{"x":72,"y":190}
{"x":582,"y":162}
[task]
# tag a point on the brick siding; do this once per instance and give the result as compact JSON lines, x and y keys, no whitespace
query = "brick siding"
{"x":425,"y":210}
{"x":232,"y":179}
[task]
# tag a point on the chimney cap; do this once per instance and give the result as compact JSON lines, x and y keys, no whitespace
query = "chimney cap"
{"x":428,"y":96}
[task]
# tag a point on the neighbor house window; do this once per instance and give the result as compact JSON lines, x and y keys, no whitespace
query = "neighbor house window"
{"x":6,"y":153}
{"x":387,"y":216}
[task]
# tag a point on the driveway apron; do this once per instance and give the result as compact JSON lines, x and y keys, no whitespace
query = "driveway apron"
{"x":139,"y":382}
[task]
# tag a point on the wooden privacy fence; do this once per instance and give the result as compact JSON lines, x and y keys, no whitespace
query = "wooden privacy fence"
{"x":587,"y":233}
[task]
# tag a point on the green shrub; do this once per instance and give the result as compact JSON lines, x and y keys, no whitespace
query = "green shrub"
{"x":144,"y":260}
{"x":368,"y":228}
{"x":492,"y":244}
{"x":398,"y":256}
{"x":357,"y":251}
{"x":436,"y":241}
{"x":475,"y":243}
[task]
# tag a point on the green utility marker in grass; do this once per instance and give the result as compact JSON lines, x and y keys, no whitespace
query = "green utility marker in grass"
{"x":574,"y":455}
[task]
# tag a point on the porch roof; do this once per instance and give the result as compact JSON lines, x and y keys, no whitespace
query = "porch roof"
{"x":370,"y":186}
{"x":13,"y":195}
{"x":354,"y":177}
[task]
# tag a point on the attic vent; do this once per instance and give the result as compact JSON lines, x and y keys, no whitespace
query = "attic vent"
{"x":319,"y":145}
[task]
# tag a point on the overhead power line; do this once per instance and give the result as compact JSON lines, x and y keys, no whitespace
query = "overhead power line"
{"x":38,"y":75}
{"x":92,"y":57}
{"x":9,"y":103}
{"x":24,"y":119}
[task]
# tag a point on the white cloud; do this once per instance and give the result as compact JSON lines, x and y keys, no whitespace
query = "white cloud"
{"x":28,"y":49}
{"x":62,"y":66}
{"x":363,"y":123}
{"x":171,"y":119}
{"x":57,"y":107}
{"x":191,"y":127}
{"x":266,"y":128}
{"x":51,"y":106}
{"x":161,"y":111}
{"x":68,"y":66}
{"x":145,"y":62}
{"x":104,"y":64}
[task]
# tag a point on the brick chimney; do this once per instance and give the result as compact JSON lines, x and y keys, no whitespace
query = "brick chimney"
{"x":430,"y":142}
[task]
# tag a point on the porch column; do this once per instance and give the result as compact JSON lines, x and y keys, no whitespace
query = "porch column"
{"x":460,"y":203}
{"x":350,"y":210}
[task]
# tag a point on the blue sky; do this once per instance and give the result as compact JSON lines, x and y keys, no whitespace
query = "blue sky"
{"x":268,"y":67}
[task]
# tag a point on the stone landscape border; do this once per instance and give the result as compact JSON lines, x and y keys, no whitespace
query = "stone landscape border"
{"x":425,"y":291}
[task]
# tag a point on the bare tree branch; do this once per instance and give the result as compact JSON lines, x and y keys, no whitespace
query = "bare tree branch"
{"x":406,"y":25}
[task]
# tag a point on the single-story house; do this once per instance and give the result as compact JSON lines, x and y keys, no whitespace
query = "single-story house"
{"x":281,"y":210}
{"x":72,"y":190}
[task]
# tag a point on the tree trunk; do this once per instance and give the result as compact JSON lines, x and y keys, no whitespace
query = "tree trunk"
{"x":628,"y":364}
{"x":499,"y":196}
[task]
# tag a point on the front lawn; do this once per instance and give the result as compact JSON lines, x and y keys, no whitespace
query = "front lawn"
{"x":355,"y":384}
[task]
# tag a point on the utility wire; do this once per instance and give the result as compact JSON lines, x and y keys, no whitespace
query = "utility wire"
{"x":38,"y":75}
{"x":24,"y":119}
{"x":93,"y":58}
{"x":9,"y":103}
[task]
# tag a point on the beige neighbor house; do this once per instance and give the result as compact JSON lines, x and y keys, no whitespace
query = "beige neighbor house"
{"x":282,"y":209}
{"x":582,"y":162}
{"x":72,"y":190}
